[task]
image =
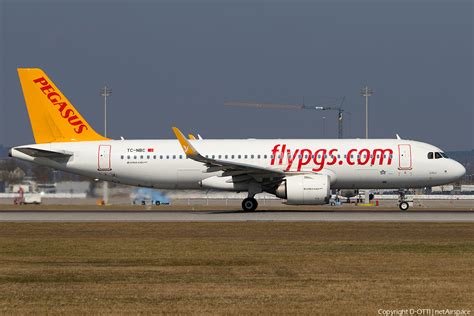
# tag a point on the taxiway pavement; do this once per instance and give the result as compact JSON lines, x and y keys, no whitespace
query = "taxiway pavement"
{"x":235,"y":216}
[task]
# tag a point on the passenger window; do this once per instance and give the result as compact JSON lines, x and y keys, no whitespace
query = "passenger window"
{"x":438,"y":155}
{"x":264,"y":156}
{"x":161,"y":156}
{"x":154,"y":156}
{"x":245,"y":156}
{"x":148,"y":157}
{"x":121,"y":157}
{"x":141,"y":157}
{"x":232,"y":156}
{"x":128,"y":157}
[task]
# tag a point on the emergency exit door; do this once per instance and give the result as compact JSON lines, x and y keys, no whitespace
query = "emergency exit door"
{"x":104,"y":158}
{"x":404,"y":157}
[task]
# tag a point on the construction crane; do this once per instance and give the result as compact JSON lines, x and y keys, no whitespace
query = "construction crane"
{"x":339,"y":109}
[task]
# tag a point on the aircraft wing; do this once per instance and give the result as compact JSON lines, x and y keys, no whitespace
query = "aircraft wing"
{"x":35,"y":152}
{"x":230,"y":168}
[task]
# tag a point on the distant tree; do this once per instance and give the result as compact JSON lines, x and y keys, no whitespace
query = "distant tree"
{"x":10,"y":172}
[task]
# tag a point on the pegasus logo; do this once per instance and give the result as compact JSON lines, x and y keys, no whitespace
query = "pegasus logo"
{"x":55,"y":99}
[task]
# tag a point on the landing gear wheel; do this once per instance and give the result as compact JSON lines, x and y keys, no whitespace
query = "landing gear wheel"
{"x":404,"y":206}
{"x":249,"y":204}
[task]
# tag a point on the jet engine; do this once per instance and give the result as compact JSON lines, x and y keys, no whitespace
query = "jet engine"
{"x":310,"y":189}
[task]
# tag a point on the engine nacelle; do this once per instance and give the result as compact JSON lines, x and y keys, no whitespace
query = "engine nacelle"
{"x":305,"y":189}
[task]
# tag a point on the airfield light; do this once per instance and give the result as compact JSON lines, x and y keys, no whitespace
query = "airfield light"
{"x":105,"y":92}
{"x":366,"y":92}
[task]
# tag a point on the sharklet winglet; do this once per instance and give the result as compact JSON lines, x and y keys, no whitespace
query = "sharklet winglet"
{"x":188,"y":149}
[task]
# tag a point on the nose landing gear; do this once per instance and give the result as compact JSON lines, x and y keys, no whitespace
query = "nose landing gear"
{"x":403,"y":202}
{"x":403,"y":206}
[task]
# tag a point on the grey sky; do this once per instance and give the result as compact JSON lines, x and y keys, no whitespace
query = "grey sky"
{"x":176,"y":62}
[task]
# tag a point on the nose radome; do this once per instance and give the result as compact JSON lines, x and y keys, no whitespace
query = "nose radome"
{"x":458,"y":170}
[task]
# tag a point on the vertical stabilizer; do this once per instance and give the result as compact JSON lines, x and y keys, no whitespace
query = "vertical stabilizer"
{"x":53,"y":118}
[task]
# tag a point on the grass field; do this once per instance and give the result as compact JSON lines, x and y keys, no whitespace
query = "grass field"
{"x":245,"y":268}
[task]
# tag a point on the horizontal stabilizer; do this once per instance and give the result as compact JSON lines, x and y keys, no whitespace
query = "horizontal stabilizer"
{"x":35,"y":152}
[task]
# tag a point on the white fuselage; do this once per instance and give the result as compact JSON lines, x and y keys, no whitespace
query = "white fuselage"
{"x":350,"y":163}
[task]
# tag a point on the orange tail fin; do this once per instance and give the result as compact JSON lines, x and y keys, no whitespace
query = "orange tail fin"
{"x":53,"y":118}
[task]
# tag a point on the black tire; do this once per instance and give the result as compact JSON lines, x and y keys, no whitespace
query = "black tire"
{"x":249,"y":204}
{"x":404,"y":206}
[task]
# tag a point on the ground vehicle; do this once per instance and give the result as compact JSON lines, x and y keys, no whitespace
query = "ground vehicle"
{"x":145,"y":196}
{"x":27,"y":198}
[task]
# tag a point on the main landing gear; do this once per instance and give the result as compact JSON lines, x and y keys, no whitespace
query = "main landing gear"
{"x":249,"y":204}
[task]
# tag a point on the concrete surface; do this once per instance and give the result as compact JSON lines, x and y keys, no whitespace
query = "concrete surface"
{"x":236,"y":216}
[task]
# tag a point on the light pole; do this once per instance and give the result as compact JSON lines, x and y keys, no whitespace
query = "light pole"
{"x":366,"y":92}
{"x":105,"y":92}
{"x":324,"y":126}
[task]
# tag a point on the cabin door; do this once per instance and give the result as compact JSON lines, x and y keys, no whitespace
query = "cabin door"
{"x":404,"y":157}
{"x":104,"y":158}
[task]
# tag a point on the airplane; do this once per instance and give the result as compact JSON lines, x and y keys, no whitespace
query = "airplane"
{"x":300,"y":171}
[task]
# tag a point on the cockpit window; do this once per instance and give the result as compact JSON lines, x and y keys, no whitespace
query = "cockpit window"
{"x":444,"y":155}
{"x":430,"y":155}
{"x":438,"y":155}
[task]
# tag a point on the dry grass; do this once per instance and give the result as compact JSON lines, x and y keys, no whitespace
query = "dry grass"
{"x":244,"y":268}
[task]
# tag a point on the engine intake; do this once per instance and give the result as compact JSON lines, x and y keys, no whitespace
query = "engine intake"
{"x":305,"y":189}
